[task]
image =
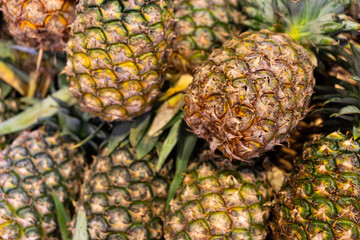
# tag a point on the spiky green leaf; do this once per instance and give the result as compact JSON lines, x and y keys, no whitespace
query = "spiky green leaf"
{"x":89,"y":137}
{"x":137,"y":132}
{"x":310,"y":22}
{"x":184,"y":150}
{"x":118,"y":134}
{"x":344,"y":100}
{"x":46,"y":108}
{"x":146,"y":144}
{"x":81,"y":232}
{"x":169,"y":143}
{"x":62,"y":217}
{"x":347,"y":110}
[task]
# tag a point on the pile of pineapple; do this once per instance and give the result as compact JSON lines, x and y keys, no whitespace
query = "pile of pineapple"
{"x":180,"y":120}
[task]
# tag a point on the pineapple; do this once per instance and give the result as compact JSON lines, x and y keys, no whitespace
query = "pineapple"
{"x":321,"y":198}
{"x":261,"y":97}
{"x":39,"y":23}
{"x":124,"y":198}
{"x":201,"y":26}
{"x":35,"y":164}
{"x":251,"y":93}
{"x":116,"y":56}
{"x":219,"y":200}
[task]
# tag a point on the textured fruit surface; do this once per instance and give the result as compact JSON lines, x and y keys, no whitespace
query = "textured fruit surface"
{"x":321,"y":197}
{"x":219,"y":202}
{"x":33,"y":166}
{"x":200,"y":26}
{"x":116,"y":56}
{"x":250,"y":94}
{"x":39,"y":23}
{"x":124,"y":198}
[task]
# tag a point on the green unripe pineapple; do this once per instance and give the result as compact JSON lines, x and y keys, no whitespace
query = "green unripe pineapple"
{"x":218,"y":200}
{"x":321,"y":199}
{"x":201,"y":26}
{"x":34,"y":165}
{"x":124,"y":198}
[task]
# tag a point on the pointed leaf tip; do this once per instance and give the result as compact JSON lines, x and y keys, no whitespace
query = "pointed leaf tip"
{"x":81,"y":232}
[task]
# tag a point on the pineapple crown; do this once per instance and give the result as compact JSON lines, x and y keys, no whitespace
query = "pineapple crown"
{"x":344,"y":101}
{"x":310,"y":22}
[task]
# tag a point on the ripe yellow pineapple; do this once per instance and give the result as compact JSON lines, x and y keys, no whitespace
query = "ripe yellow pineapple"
{"x":39,"y":23}
{"x":116,"y":56}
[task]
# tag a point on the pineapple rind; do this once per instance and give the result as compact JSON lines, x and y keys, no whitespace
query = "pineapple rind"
{"x":116,"y":56}
{"x":39,"y":23}
{"x":321,"y":197}
{"x":219,"y":201}
{"x":200,"y":27}
{"x":250,"y":94}
{"x":124,"y":197}
{"x":33,"y":166}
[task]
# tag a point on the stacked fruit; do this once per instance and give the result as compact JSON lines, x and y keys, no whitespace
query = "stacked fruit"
{"x":141,"y":84}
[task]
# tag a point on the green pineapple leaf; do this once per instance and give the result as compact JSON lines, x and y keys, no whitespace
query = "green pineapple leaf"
{"x":81,"y":232}
{"x":62,"y":217}
{"x":347,"y":110}
{"x":146,"y":144}
{"x":184,"y":149}
{"x":310,"y":22}
{"x":120,"y":132}
{"x":355,"y":61}
{"x":45,"y":108}
{"x":68,"y":124}
{"x":137,"y":132}
{"x":356,"y":132}
{"x":5,"y":50}
{"x":89,"y":137}
{"x":169,"y":143}
{"x":5,"y":89}
{"x":344,"y":101}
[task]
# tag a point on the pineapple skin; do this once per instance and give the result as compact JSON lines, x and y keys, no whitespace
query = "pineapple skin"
{"x":250,"y":94}
{"x":116,"y":56}
{"x":218,"y":200}
{"x":39,"y":23}
{"x":200,"y":26}
{"x":34,"y":165}
{"x":125,"y":198}
{"x":321,"y":198}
